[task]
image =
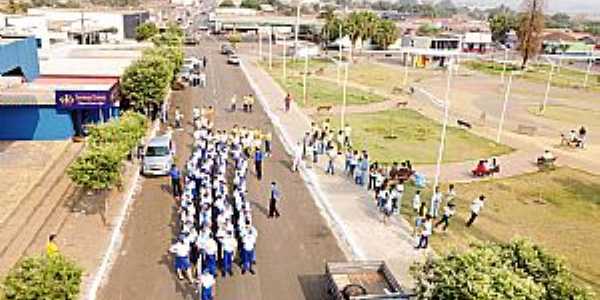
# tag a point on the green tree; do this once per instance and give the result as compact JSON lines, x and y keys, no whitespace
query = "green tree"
{"x":386,"y":34}
{"x":234,"y":39}
{"x":174,"y":29}
{"x":252,"y":4}
{"x":515,"y":270}
{"x":559,"y":20}
{"x":227,"y":3}
{"x":173,"y":53}
{"x":500,"y":24}
{"x":145,"y":31}
{"x":147,"y":80}
{"x":331,"y":29}
{"x":427,"y":30}
{"x":43,"y":277}
{"x":531,"y":26}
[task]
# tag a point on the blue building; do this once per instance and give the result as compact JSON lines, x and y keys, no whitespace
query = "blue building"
{"x":49,"y":107}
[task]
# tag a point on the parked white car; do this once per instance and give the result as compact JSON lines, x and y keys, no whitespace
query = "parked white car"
{"x":159,"y":156}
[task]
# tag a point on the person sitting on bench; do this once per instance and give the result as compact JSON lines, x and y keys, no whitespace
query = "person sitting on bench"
{"x":494,"y":166}
{"x":481,"y":169}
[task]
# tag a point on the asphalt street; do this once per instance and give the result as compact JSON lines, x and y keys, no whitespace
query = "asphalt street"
{"x":291,"y":250}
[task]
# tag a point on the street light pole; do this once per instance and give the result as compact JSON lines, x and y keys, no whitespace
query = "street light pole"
{"x":504,"y":106}
{"x":405,"y":83}
{"x":270,"y":48}
{"x":444,"y":129}
{"x":284,"y":58}
{"x":504,"y":64}
{"x":342,"y":121}
{"x":587,"y":74}
{"x":548,"y":86}
{"x":305,"y":74}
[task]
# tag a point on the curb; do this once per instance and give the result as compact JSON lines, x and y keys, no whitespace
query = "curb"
{"x":116,"y":238}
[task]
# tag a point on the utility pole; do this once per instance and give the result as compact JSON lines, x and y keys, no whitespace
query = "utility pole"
{"x":405,"y":83}
{"x":297,"y":27}
{"x":337,"y":67}
{"x":444,"y":129}
{"x":342,"y":118}
{"x":504,"y":106}
{"x":548,"y":86}
{"x":305,"y":75}
{"x":271,"y":48}
{"x":504,"y":64}
{"x":259,"y":44}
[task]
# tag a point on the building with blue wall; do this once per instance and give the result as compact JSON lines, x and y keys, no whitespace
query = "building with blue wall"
{"x":49,"y":107}
{"x":20,"y":56}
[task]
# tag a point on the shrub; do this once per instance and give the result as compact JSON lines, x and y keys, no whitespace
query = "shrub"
{"x":516,"y":270}
{"x":100,"y":167}
{"x":43,"y":277}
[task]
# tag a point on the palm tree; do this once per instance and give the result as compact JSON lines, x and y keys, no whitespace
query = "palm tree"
{"x":386,"y":34}
{"x":369,"y":23}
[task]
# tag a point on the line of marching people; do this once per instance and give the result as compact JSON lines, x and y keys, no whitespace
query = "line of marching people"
{"x":215,"y":214}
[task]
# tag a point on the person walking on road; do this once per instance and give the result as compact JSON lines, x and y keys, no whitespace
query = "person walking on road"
{"x":233,"y":103}
{"x":258,"y":158}
{"x":275,"y":197}
{"x":288,"y":102}
{"x":204,"y":62}
{"x":436,"y":200}
{"x":175,"y":176}
{"x":268,"y":139}
{"x":298,"y":156}
{"x":229,"y":244}
{"x":181,"y":249}
{"x":250,"y":102}
{"x":205,"y":286}
{"x":476,"y":206}
{"x":178,"y":119}
{"x":332,"y":155}
{"x":248,"y":243}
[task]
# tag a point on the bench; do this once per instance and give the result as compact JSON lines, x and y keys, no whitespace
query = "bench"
{"x":489,"y":172}
{"x":463,"y":123}
{"x":325,"y":107}
{"x":546,"y":163}
{"x":401,"y":103}
{"x":526,"y":129}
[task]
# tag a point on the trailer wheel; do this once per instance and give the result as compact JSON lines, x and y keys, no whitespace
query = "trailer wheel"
{"x":353,"y":290}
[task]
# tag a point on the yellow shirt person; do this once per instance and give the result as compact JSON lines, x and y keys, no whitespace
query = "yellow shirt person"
{"x":51,"y":247}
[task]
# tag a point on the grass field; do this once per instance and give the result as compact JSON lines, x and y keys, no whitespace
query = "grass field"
{"x":572,"y":115}
{"x":558,"y":209}
{"x":417,"y":138}
{"x":565,"y":77}
{"x":319,"y":91}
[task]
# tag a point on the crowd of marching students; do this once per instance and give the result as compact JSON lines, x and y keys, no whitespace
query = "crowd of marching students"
{"x":215,"y":214}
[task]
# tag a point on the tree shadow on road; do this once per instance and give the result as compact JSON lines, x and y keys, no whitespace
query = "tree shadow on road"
{"x":314,"y":286}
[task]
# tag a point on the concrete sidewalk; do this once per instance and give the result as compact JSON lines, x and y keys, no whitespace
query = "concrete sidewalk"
{"x":350,"y":209}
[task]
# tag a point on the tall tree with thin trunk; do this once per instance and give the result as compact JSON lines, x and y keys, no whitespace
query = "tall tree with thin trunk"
{"x":531,"y":26}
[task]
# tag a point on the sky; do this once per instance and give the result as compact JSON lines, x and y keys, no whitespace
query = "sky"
{"x":568,"y":6}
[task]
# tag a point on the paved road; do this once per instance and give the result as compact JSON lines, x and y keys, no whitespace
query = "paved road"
{"x":291,"y":250}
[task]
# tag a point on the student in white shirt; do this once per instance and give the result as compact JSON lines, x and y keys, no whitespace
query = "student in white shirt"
{"x":416,"y":202}
{"x":205,"y":286}
{"x":476,"y":206}
{"x":436,"y":200}
{"x":229,"y":245}
{"x":427,"y":229}
{"x":181,"y":249}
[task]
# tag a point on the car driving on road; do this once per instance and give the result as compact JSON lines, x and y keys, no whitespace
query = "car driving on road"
{"x":158,"y":156}
{"x":233,"y":59}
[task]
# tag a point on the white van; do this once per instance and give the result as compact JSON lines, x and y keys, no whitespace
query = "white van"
{"x":159,"y":156}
